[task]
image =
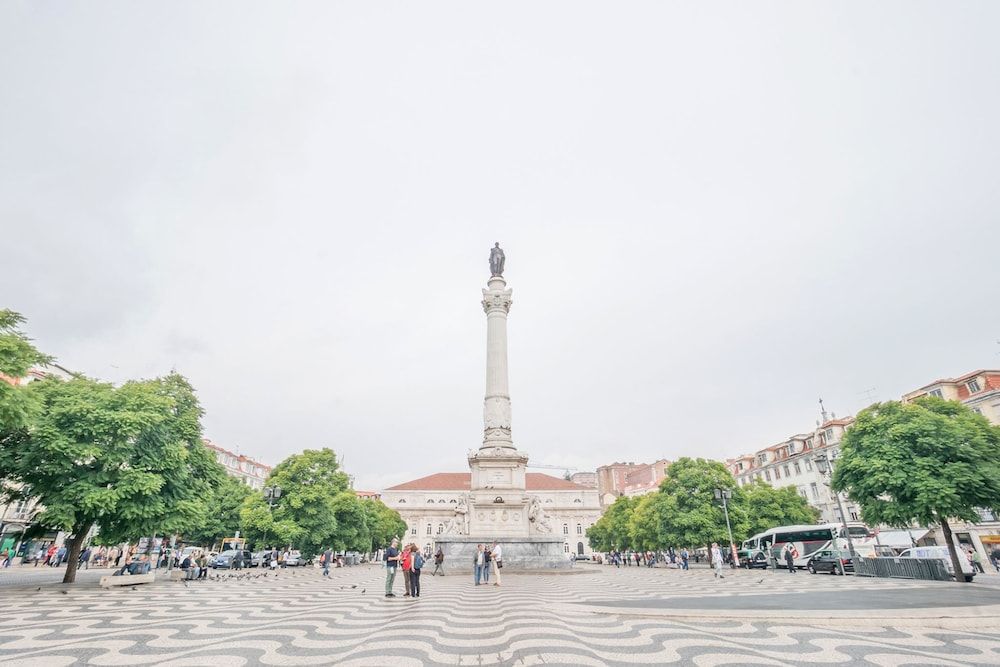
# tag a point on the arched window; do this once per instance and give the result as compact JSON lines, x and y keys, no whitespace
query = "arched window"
{"x":427,"y":548}
{"x":566,"y":531}
{"x":579,"y":529}
{"x":579,"y":548}
{"x":428,"y":529}
{"x":440,"y":528}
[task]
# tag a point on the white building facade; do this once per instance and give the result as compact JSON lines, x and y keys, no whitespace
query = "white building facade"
{"x":427,"y":505}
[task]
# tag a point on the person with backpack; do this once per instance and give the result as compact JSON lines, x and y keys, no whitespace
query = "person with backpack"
{"x":416,"y":565}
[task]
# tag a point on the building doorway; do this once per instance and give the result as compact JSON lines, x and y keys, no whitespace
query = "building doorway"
{"x":579,"y":548}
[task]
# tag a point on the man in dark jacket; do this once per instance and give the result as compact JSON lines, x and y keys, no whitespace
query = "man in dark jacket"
{"x":438,"y":562}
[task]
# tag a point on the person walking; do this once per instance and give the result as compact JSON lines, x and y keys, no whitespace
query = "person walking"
{"x":391,"y":562}
{"x":479,"y":563}
{"x":283,"y":560}
{"x":406,"y":560}
{"x":202,"y":565}
{"x":325,"y":559}
{"x":40,"y":554}
{"x":685,"y":557}
{"x":496,"y":556}
{"x":717,"y":560}
{"x":977,"y":561}
{"x":438,"y":562}
{"x":487,"y":564}
{"x":995,"y":557}
{"x":416,"y":564}
{"x":789,"y":555}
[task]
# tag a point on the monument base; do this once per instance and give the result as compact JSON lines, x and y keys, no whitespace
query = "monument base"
{"x":538,"y":552}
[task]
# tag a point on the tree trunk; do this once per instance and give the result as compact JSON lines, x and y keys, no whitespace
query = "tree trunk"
{"x":73,"y":553}
{"x":950,"y":541}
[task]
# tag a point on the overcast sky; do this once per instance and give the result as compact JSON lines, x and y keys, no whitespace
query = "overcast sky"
{"x":713,"y":214}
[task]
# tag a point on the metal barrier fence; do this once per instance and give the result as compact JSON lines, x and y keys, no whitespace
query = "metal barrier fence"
{"x":902,"y":568}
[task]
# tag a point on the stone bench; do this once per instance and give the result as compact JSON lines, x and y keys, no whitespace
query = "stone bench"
{"x":127,"y":580}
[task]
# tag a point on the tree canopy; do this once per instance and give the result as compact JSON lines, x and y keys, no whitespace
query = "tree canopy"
{"x":223,"y":518}
{"x":17,"y":357}
{"x":923,"y":462}
{"x":306,"y":513}
{"x":694,"y":516}
{"x":129,"y":459}
{"x":767,"y":507}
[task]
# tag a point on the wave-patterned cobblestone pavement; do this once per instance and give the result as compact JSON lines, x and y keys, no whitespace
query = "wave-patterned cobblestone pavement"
{"x":301,"y":618}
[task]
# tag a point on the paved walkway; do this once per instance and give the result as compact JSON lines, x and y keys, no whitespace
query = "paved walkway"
{"x":303,"y":619}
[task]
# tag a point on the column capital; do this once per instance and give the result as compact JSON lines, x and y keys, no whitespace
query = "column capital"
{"x":497,"y":301}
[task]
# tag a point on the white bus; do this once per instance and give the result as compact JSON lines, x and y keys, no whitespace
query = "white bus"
{"x":806,"y":540}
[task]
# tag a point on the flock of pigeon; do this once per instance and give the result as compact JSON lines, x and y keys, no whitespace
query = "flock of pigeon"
{"x":248,"y":576}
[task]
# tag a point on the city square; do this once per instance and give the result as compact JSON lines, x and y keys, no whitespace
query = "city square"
{"x":450,"y":333}
{"x":590,"y":615}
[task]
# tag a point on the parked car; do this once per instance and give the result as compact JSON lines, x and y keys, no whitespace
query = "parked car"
{"x":830,"y":560}
{"x":942,"y":554}
{"x":225,"y":559}
{"x":260,"y":558}
{"x":294,"y":558}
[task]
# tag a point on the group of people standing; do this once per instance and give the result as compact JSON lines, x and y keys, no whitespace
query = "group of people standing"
{"x":411,"y":561}
{"x":486,"y":561}
{"x":650,"y":558}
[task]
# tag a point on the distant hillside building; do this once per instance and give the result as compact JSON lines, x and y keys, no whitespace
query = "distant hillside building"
{"x":251,"y":472}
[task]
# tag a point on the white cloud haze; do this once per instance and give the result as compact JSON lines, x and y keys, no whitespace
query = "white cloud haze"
{"x":713,"y":214}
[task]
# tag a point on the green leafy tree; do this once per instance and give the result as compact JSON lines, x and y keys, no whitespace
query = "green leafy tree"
{"x":647,"y":525}
{"x":383,"y":522}
{"x":925,"y":462}
{"x":128,"y":459}
{"x":223,"y":516}
{"x":306,"y":514}
{"x":767,"y":507}
{"x":691,"y":514}
{"x":353,"y":533}
{"x":17,"y":357}
{"x":612,"y":531}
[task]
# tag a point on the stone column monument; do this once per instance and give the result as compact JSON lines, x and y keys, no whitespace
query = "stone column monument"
{"x":497,"y":506}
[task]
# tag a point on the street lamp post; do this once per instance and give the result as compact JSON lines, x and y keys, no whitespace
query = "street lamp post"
{"x":824,"y":467}
{"x":271,"y":494}
{"x":724,"y":495}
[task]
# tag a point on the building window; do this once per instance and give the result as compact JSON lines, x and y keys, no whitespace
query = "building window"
{"x":777,"y":473}
{"x":829,"y":435}
{"x":441,"y":501}
{"x":577,"y":500}
{"x":798,"y":468}
{"x":453,"y":501}
{"x":579,"y":529}
{"x":413,"y":531}
{"x":440,"y":528}
{"x":767,"y":475}
{"x":809,"y":465}
{"x":428,"y":529}
{"x":788,"y":471}
{"x":401,"y":501}
{"x":854,"y":514}
{"x":565,"y":529}
{"x":936,"y":393}
{"x":977,"y":411}
{"x":802,"y":492}
{"x":972,"y":386}
{"x":566,"y":547}
{"x":430,"y":500}
{"x":815,"y":490}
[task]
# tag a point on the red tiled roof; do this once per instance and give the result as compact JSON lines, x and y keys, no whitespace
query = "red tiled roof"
{"x":462,"y":481}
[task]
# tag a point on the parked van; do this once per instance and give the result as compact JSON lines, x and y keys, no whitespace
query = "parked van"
{"x":941,"y":553}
